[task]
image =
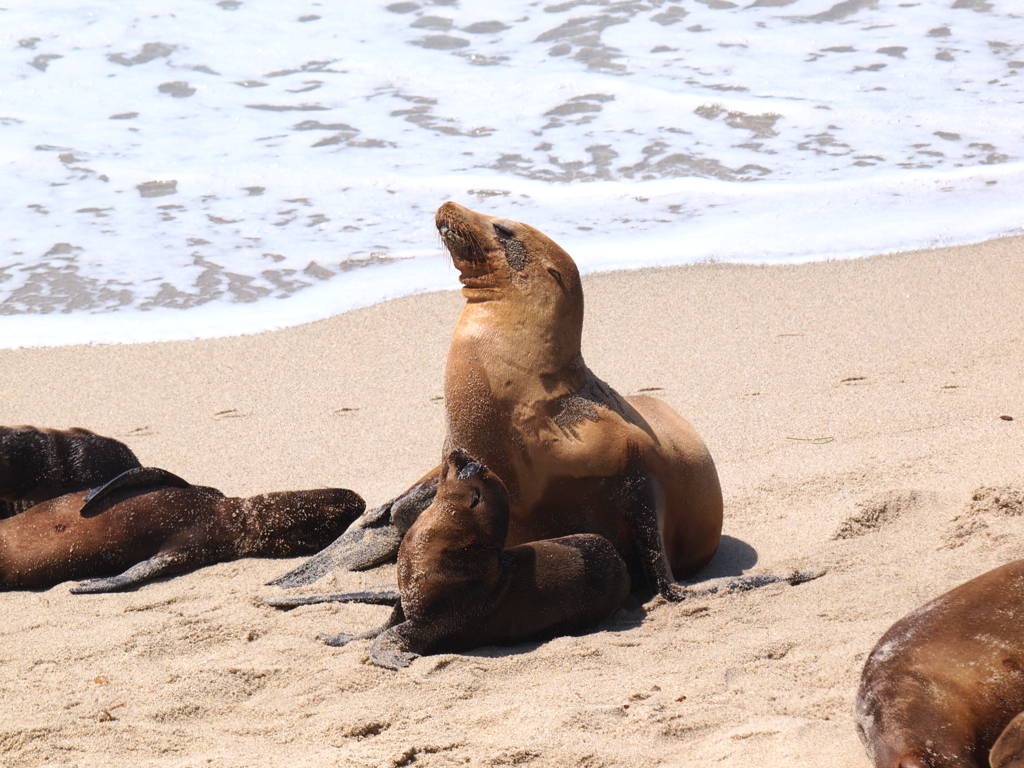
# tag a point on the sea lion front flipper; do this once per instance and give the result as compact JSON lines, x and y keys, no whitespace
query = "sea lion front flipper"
{"x":357,"y":549}
{"x":140,"y":477}
{"x":640,"y":502}
{"x":1008,"y":751}
{"x":393,"y":648}
{"x":342,"y":638}
{"x":161,"y":564}
{"x":747,"y":582}
{"x":370,"y":541}
{"x":370,"y":597}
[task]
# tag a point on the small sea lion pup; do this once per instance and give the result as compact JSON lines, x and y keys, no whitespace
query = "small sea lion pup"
{"x":459,"y":588}
{"x":155,"y":524}
{"x":946,"y":680}
{"x":575,"y":456}
{"x":39,"y":464}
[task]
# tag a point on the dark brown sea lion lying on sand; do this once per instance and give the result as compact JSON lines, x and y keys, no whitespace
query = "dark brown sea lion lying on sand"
{"x":460,"y":588}
{"x":40,"y":464}
{"x":155,"y":524}
{"x":945,"y":684}
{"x":575,"y":456}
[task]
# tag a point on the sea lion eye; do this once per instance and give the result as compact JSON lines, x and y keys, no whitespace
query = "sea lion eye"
{"x":503,"y":232}
{"x":475,"y":500}
{"x":556,"y":274}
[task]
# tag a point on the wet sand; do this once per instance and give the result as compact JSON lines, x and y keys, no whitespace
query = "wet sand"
{"x":854,"y":411}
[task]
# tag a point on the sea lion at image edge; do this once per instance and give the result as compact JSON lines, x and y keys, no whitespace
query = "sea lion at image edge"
{"x":945,"y":684}
{"x":153,"y":530}
{"x":40,"y":464}
{"x":460,"y":589}
{"x":575,"y":456}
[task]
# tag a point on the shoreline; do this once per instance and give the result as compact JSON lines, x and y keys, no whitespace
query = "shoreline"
{"x":431,"y":272}
{"x":853,"y":410}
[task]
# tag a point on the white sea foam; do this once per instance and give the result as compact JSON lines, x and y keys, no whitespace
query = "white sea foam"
{"x":179,"y":169}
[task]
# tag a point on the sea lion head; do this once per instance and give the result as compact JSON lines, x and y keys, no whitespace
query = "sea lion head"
{"x":457,"y":541}
{"x":473,"y":502}
{"x":507,"y":260}
{"x":292,"y":523}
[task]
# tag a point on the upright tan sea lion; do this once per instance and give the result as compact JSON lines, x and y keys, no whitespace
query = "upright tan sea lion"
{"x":159,"y":530}
{"x":39,"y":464}
{"x":575,"y":456}
{"x":946,"y":680}
{"x":461,"y":589}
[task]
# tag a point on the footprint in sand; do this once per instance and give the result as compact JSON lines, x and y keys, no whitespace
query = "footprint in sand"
{"x":876,"y":513}
{"x":986,"y":502}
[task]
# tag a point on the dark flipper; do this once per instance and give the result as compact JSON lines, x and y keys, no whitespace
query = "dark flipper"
{"x":731,"y":584}
{"x":163,"y":564}
{"x":640,"y":503}
{"x":372,"y":540}
{"x":140,"y":477}
{"x":357,"y":549}
{"x":341,"y":639}
{"x":371,"y":597}
{"x":392,"y":649}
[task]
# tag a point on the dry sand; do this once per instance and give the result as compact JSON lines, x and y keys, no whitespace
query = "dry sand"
{"x":853,"y":409}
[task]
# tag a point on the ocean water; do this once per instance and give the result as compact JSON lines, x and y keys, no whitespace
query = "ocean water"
{"x":177,"y":169}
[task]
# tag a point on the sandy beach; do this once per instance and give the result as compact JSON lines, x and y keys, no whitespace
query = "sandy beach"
{"x":854,"y":412}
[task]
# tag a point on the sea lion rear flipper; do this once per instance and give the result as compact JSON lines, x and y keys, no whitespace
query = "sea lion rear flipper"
{"x":140,"y":477}
{"x":1008,"y":751}
{"x":371,"y":597}
{"x":371,"y":540}
{"x":162,"y":564}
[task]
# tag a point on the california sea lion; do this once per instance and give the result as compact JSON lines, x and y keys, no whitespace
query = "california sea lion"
{"x":460,"y":588}
{"x":946,"y":680}
{"x":575,"y":456}
{"x":39,"y":464}
{"x":159,"y":530}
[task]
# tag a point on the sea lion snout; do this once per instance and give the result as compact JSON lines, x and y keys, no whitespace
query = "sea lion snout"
{"x":463,"y":464}
{"x":470,"y":471}
{"x":466,"y":235}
